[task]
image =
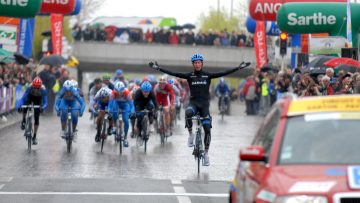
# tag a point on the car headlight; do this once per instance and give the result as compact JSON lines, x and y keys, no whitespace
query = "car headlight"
{"x":301,"y":199}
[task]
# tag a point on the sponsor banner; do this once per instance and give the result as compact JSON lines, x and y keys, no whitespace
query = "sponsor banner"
{"x":326,"y":45}
{"x":260,"y":44}
{"x":19,"y":8}
{"x":271,"y":27}
{"x":26,"y":36}
{"x":57,"y":32}
{"x":8,"y":34}
{"x":267,"y":9}
{"x":9,"y":21}
{"x":58,"y":6}
{"x":316,"y":18}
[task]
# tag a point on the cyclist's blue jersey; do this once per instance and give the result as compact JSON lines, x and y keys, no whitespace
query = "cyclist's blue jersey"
{"x":223,"y":89}
{"x":35,"y":96}
{"x":70,"y":97}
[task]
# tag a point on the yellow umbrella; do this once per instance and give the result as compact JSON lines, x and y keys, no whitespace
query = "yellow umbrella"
{"x":73,"y":62}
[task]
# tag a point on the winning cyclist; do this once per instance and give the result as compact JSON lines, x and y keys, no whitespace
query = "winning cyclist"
{"x":163,"y":92}
{"x":121,"y":99}
{"x":144,"y":99}
{"x":222,"y":90}
{"x":199,"y":82}
{"x":36,"y":94}
{"x":68,"y":97}
{"x":98,"y":106}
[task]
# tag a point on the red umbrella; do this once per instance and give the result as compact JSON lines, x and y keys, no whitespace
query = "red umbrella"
{"x":110,"y":32}
{"x":340,"y":61}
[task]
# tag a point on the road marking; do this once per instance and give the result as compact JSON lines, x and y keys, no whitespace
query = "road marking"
{"x":176,"y":182}
{"x":120,"y":194}
{"x":1,"y":186}
{"x":181,"y":190}
{"x":6,"y":179}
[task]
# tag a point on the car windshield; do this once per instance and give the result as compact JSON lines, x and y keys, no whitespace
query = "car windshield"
{"x":331,"y":138}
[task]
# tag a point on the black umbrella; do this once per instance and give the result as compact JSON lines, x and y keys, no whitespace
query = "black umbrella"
{"x":189,"y":26}
{"x":176,"y":27}
{"x":319,"y":61}
{"x":314,"y":72}
{"x":268,"y":68}
{"x":347,"y":68}
{"x":46,"y":33}
{"x":21,"y":59}
{"x":53,"y":60}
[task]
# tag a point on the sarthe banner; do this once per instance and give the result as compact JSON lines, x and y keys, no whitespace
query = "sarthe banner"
{"x":26,"y":36}
{"x":260,"y":44}
{"x":57,"y":33}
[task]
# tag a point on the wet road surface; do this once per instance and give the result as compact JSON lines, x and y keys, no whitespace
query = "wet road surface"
{"x":164,"y":174}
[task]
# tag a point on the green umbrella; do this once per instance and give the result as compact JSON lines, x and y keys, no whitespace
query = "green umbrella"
{"x":167,"y":22}
{"x":98,"y":25}
{"x":6,"y":56}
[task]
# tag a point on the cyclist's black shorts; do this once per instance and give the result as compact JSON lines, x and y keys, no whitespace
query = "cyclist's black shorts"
{"x":201,"y":107}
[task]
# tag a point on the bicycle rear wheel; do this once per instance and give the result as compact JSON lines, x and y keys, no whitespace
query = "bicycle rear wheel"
{"x":145,"y":132}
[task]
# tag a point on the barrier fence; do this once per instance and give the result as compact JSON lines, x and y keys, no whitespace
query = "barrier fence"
{"x":9,"y":97}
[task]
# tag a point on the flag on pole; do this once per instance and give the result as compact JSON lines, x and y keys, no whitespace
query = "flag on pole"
{"x":348,"y":25}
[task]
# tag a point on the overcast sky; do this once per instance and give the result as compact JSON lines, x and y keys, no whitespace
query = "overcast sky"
{"x":185,"y":11}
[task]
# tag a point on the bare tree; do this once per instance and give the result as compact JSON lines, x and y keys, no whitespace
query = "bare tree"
{"x":88,"y":9}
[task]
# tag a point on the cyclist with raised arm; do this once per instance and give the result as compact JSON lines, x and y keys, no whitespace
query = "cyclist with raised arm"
{"x":68,"y":98}
{"x":121,"y":99}
{"x":144,"y":99}
{"x":35,"y":94}
{"x":222,"y":90}
{"x":97,"y":106}
{"x":164,"y":92}
{"x":199,"y":83}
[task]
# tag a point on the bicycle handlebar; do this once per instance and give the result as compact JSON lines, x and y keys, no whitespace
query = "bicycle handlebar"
{"x":31,"y":106}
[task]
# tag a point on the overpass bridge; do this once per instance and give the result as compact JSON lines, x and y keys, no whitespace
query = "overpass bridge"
{"x":107,"y":57}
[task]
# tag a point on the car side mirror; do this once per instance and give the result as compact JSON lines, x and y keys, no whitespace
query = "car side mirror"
{"x":253,"y":153}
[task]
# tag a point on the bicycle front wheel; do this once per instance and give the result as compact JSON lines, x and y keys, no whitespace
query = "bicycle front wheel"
{"x":69,"y":136}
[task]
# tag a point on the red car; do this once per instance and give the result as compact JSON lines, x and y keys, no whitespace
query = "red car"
{"x":307,"y":150}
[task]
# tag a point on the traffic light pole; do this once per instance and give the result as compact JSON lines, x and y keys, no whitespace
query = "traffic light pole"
{"x":283,"y":68}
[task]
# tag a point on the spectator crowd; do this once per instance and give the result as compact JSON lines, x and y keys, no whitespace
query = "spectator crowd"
{"x":162,"y":36}
{"x":263,"y":88}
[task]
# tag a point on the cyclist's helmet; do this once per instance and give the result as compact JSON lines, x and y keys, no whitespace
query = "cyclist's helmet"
{"x":145,"y":78}
{"x":119,"y":72}
{"x":171,"y":81}
{"x":119,"y":86}
{"x":106,"y":76}
{"x":68,"y":85}
{"x":222,"y":80}
{"x":137,"y":81}
{"x":37,"y":83}
{"x":197,"y":57}
{"x":75,"y":84}
{"x":146,"y":86}
{"x":162,"y":80}
{"x":97,"y":80}
{"x":105,"y":92}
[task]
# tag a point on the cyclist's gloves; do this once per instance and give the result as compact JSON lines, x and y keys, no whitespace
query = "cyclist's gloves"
{"x":41,"y":110}
{"x":244,"y":65}
{"x":154,"y":65}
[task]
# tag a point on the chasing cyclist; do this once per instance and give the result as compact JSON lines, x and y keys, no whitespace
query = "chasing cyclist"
{"x":35,"y":94}
{"x":199,"y":82}
{"x":97,"y":106}
{"x":121,"y":99}
{"x":222,"y":90}
{"x":68,"y":98}
{"x":144,"y":99}
{"x":164,"y":92}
